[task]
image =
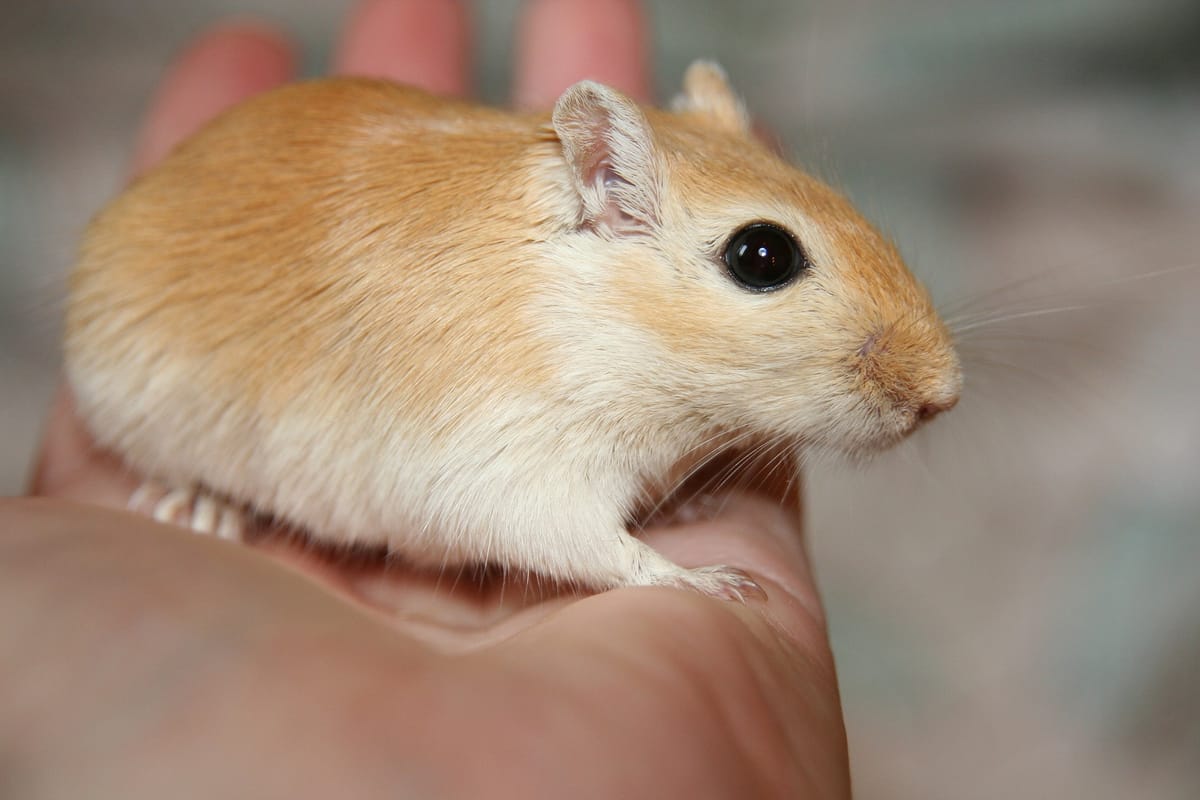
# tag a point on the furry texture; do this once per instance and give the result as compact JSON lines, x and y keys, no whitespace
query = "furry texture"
{"x":477,"y":336}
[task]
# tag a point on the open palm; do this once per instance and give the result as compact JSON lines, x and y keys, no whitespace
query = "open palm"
{"x":137,"y":660}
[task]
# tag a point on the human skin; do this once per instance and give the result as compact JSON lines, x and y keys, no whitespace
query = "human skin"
{"x":138,"y":660}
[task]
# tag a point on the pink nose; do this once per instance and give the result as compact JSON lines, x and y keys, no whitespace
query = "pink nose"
{"x":932,"y":408}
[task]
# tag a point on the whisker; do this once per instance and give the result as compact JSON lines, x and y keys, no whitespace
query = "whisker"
{"x":960,"y":329}
{"x":707,"y":443}
{"x":727,"y":473}
{"x":670,"y":492}
{"x":1099,"y":254}
{"x":955,"y":314}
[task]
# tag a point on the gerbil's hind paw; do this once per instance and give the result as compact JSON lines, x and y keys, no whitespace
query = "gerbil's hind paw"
{"x":725,"y":583}
{"x":191,"y":508}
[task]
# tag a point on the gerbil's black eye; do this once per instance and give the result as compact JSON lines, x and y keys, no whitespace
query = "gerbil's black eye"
{"x":764,"y":257}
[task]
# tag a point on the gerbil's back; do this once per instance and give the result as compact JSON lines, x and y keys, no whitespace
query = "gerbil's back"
{"x":317,"y":248}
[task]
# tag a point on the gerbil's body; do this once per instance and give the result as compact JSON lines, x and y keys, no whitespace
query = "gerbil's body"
{"x":474,"y":335}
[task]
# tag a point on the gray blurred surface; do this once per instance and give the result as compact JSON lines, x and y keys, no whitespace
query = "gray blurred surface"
{"x":1014,"y":594}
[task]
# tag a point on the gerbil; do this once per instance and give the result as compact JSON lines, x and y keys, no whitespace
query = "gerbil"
{"x":476,"y":336}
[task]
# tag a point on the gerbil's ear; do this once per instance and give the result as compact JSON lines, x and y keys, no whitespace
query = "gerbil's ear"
{"x":610,"y":149}
{"x":706,"y":91}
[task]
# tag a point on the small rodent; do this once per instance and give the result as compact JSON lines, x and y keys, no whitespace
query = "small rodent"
{"x":471,"y":335}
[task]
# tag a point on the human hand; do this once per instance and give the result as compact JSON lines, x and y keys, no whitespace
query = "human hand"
{"x":137,"y":660}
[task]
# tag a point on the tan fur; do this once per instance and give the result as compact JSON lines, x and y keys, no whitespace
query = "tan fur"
{"x":234,"y":241}
{"x":474,"y":335}
{"x":707,"y":97}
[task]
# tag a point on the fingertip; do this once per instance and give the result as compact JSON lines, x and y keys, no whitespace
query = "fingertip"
{"x":424,"y":43}
{"x":63,"y":445}
{"x":565,"y":41}
{"x":68,"y":464}
{"x":218,"y":69}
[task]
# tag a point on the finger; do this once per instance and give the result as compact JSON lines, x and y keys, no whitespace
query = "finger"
{"x":218,"y":70}
{"x":563,"y":41}
{"x":674,"y":652}
{"x":70,"y":466}
{"x":425,"y":43}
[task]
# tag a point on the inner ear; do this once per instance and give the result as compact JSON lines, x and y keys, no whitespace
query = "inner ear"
{"x":610,"y":150}
{"x":706,"y":92}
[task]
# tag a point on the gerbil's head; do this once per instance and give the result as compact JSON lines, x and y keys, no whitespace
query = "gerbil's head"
{"x":769,"y":304}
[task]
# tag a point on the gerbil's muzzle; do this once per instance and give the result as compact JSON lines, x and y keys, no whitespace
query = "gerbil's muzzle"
{"x":912,"y":370}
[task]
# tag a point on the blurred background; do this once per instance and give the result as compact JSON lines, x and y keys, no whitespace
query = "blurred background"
{"x":1013,"y":594}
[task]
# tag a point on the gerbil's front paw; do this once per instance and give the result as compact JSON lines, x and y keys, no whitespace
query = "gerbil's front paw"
{"x":643,"y":566}
{"x":190,"y":508}
{"x":725,"y":583}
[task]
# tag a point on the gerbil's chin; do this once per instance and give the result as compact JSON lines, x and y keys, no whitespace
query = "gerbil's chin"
{"x":860,"y":443}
